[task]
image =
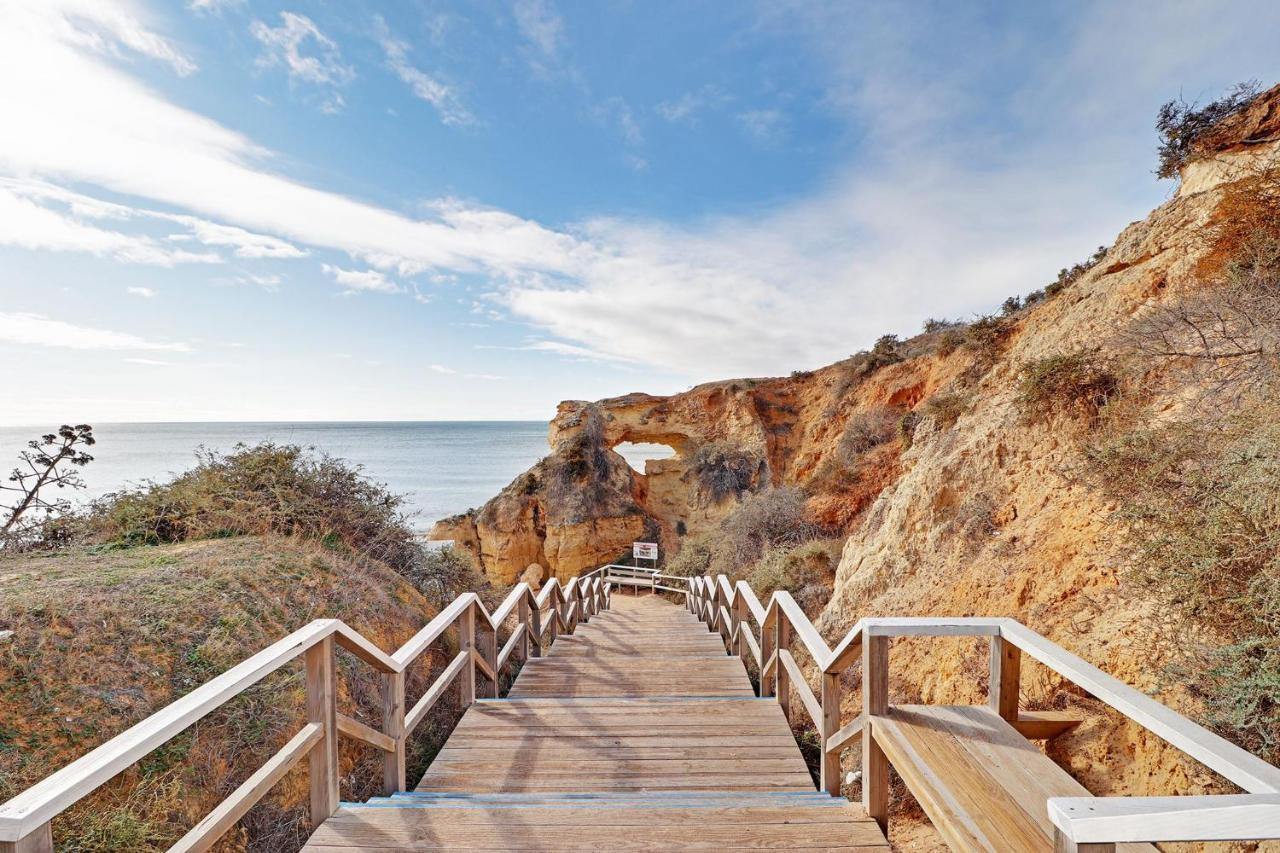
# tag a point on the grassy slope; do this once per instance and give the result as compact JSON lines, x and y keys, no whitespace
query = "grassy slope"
{"x":104,"y":637}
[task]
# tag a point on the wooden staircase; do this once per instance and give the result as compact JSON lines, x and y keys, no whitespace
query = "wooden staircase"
{"x":632,"y":724}
{"x":637,"y":732}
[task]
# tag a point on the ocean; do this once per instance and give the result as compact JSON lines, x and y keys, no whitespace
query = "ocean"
{"x":441,"y":467}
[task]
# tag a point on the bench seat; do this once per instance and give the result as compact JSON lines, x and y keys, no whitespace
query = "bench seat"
{"x":983,"y":785}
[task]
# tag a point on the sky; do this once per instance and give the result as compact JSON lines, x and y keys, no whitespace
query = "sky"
{"x":248,"y":210}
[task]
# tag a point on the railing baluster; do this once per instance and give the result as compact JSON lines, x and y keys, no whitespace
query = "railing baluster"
{"x":322,"y":708}
{"x":393,"y":710}
{"x":875,"y":701}
{"x":830,"y":776}
{"x":522,"y":649}
{"x":782,"y":640}
{"x":1006,"y":670}
{"x":466,"y":643}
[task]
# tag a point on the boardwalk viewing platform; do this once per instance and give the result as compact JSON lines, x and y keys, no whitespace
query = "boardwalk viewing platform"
{"x":635,"y":723}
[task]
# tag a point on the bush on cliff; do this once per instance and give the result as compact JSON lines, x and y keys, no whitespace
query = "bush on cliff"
{"x":723,"y":470}
{"x":1078,"y":383}
{"x":270,"y":488}
{"x":771,"y":540}
{"x":1181,"y":125}
{"x":1199,"y":502}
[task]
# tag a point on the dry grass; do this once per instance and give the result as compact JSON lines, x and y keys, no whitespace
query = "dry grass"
{"x":105,"y":636}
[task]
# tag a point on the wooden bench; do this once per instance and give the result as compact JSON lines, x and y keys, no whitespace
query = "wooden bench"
{"x":982,"y":784}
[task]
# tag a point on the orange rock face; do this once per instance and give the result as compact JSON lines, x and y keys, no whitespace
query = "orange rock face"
{"x":981,"y":512}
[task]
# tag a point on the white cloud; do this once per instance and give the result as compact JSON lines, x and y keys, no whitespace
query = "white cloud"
{"x":144,"y":292}
{"x":540,"y":26}
{"x":28,"y":225}
{"x":288,"y":45}
{"x":767,"y":127}
{"x":37,"y":330}
{"x":935,"y":218}
{"x":423,"y":86}
{"x":449,"y":371}
{"x":216,"y":7}
{"x":152,"y":362}
{"x":687,"y":108}
{"x":356,"y":281}
{"x":267,"y":281}
{"x":110,"y":27}
{"x":245,"y":244}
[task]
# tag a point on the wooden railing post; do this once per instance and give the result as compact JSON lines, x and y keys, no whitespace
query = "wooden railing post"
{"x":1006,"y":671}
{"x":782,"y":640}
{"x":487,"y":648}
{"x":322,"y":708}
{"x":522,"y":648}
{"x":467,"y":643}
{"x":768,"y":639}
{"x":830,"y":775}
{"x":39,"y":841}
{"x":393,"y":767}
{"x":554,"y":614}
{"x":535,"y":628}
{"x":875,"y":701}
{"x":743,"y":623}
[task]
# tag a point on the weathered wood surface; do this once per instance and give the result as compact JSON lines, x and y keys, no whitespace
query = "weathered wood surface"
{"x":983,"y":785}
{"x":637,"y":732}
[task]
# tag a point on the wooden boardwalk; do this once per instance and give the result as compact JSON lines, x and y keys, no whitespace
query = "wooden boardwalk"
{"x":637,"y":732}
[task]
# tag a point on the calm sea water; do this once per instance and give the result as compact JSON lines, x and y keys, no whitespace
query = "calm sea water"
{"x":441,"y":467}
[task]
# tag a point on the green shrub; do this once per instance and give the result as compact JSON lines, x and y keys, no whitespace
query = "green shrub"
{"x":1011,"y":306}
{"x":270,"y":488}
{"x":945,"y":408}
{"x":866,"y":429}
{"x":723,"y":470}
{"x":1074,"y":383}
{"x":985,"y":338}
{"x":949,"y":341}
{"x":769,"y":519}
{"x":1070,"y":275}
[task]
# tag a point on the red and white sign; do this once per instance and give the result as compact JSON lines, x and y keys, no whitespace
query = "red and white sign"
{"x":644,"y":550}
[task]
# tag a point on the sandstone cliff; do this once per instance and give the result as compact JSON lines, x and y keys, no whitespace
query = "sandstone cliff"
{"x":978,"y":508}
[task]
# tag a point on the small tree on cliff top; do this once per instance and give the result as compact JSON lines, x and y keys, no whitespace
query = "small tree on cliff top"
{"x":49,"y":461}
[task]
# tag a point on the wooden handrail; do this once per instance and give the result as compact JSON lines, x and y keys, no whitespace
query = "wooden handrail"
{"x":726,"y":609}
{"x":25,"y":819}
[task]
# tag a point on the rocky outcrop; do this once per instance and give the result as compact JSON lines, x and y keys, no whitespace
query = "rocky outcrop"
{"x":981,"y":512}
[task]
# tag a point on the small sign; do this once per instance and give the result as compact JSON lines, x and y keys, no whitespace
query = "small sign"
{"x":644,"y":550}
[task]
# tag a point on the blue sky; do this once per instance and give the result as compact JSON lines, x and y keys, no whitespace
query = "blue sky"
{"x":232,"y":210}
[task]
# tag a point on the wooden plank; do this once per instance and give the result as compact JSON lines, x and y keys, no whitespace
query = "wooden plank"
{"x":206,"y":833}
{"x":1229,"y":817}
{"x":845,"y":735}
{"x":460,"y":661}
{"x":1045,"y":725}
{"x":421,"y":641}
{"x":801,"y":687}
{"x":357,"y":730}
